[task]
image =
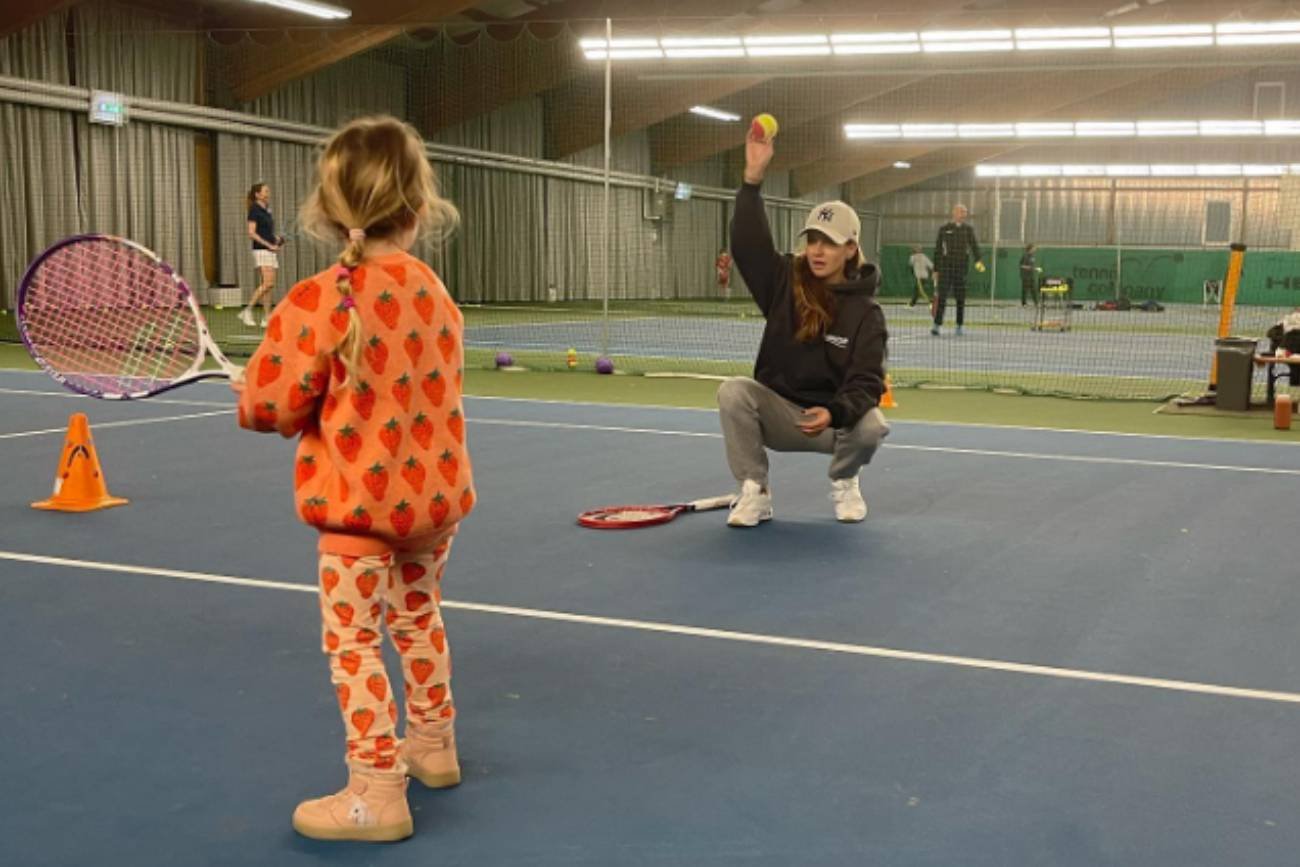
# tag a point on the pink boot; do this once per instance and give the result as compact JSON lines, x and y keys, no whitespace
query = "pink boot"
{"x":371,"y":808}
{"x":431,"y":757}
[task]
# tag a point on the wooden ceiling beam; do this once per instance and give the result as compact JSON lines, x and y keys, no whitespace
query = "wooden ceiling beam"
{"x":262,"y":70}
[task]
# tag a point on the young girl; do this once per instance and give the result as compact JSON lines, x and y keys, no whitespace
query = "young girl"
{"x":363,"y":363}
{"x":820,"y":370}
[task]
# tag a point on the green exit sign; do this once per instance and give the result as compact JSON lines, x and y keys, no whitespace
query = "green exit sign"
{"x":107,"y":108}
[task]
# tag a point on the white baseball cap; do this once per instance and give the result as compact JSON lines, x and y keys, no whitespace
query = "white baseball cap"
{"x":835,"y":220}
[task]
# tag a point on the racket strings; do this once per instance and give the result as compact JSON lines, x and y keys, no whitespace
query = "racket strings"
{"x":107,"y":315}
{"x":632,"y":514}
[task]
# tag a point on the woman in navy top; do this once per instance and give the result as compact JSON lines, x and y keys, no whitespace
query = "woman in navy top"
{"x":266,"y":246}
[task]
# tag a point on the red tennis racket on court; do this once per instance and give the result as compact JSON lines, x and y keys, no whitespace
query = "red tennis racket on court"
{"x":635,"y":517}
{"x":108,"y":318}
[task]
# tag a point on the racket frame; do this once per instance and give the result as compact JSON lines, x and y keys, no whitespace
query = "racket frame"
{"x":593,"y":518}
{"x":207,"y":346}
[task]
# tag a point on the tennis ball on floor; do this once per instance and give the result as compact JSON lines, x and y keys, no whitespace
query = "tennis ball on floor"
{"x":504,"y":359}
{"x":764,"y":127}
{"x":604,"y":365}
{"x":979,"y":266}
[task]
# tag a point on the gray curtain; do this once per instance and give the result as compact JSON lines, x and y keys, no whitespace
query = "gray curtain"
{"x":497,"y":254}
{"x":359,"y":86}
{"x":139,"y":180}
{"x":38,"y":176}
{"x":289,"y":169}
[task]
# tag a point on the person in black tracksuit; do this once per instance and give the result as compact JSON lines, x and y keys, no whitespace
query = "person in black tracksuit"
{"x":1029,"y":276}
{"x":820,"y":372}
{"x":953,"y":250}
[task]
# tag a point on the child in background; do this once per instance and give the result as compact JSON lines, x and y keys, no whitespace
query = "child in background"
{"x":922,"y":268}
{"x":723,"y":266}
{"x":363,"y":363}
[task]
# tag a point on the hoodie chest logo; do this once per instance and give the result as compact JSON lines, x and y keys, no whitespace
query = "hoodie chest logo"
{"x":837,"y":342}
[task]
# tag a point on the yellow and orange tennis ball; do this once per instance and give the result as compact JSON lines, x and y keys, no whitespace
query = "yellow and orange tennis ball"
{"x":765,"y":127}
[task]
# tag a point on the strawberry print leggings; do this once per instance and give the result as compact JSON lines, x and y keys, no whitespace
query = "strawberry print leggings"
{"x":357,"y":596}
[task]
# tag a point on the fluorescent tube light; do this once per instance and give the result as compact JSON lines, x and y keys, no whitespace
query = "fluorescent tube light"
{"x":1044,"y":130}
{"x":714,"y":113}
{"x":308,"y":7}
{"x":1168,"y":128}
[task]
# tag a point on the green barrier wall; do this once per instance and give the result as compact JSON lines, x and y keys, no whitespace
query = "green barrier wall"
{"x":1271,"y":278}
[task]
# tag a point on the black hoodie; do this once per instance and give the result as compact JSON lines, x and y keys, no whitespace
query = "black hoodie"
{"x":844,"y":370}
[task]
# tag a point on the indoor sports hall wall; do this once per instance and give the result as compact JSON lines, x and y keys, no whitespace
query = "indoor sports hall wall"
{"x":514,"y":118}
{"x":525,"y":236}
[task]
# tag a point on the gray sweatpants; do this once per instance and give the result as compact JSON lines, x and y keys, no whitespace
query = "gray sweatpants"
{"x":755,"y":418}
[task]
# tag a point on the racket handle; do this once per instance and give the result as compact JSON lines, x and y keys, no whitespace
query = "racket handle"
{"x":712,"y":503}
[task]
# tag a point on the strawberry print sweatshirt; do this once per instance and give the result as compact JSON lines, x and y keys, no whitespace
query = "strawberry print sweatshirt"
{"x":381,"y":460}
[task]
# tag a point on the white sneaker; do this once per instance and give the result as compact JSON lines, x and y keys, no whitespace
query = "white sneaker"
{"x":849,"y":505}
{"x":246,"y":317}
{"x":262,"y":324}
{"x":753,"y":506}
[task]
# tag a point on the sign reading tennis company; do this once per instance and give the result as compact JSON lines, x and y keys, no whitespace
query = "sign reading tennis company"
{"x":107,"y":107}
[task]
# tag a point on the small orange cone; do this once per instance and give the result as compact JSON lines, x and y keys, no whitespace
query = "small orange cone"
{"x":79,"y":482}
{"x":887,"y":401}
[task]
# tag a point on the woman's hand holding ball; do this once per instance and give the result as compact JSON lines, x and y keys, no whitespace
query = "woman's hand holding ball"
{"x":758,"y":148}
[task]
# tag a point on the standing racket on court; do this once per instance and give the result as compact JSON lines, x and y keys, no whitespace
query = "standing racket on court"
{"x":108,"y":318}
{"x":634,"y":517}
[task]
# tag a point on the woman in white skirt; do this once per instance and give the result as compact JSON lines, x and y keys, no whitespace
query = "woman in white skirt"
{"x":820,"y":371}
{"x":266,"y":248}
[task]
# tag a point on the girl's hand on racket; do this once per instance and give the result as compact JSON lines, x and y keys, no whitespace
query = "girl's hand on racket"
{"x":758,"y":155}
{"x":814,"y":420}
{"x":237,"y":382}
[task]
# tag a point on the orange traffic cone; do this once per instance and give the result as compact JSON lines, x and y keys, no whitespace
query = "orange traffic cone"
{"x":887,"y":401}
{"x":79,"y":482}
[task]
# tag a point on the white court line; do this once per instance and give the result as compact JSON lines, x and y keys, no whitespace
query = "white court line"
{"x":562,"y":425}
{"x":106,"y":424}
{"x":837,"y":647}
{"x":904,"y":422}
{"x":1087,"y":459}
{"x":991,"y":453}
{"x":75,"y":396}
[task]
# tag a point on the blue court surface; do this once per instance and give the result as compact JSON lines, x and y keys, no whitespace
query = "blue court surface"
{"x":1042,"y":648}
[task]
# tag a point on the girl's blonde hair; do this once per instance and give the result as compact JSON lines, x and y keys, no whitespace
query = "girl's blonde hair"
{"x":814,"y":299}
{"x":373,"y":176}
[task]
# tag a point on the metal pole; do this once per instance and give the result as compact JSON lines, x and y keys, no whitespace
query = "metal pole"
{"x":609,"y":237}
{"x":1119,"y":239}
{"x":997,"y":236}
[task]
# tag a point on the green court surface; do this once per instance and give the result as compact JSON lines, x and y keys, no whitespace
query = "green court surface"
{"x":947,"y":405}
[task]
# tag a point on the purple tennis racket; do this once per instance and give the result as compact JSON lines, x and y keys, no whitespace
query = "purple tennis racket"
{"x":107,"y":317}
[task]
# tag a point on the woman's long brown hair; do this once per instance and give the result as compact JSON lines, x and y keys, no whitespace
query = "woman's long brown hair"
{"x":814,"y":297}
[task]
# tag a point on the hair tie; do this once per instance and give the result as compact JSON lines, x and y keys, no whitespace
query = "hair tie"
{"x":357,"y":235}
{"x":343,"y":272}
{"x":348,"y":303}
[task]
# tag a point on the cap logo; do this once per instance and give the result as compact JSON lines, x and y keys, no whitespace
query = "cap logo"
{"x":825,"y":215}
